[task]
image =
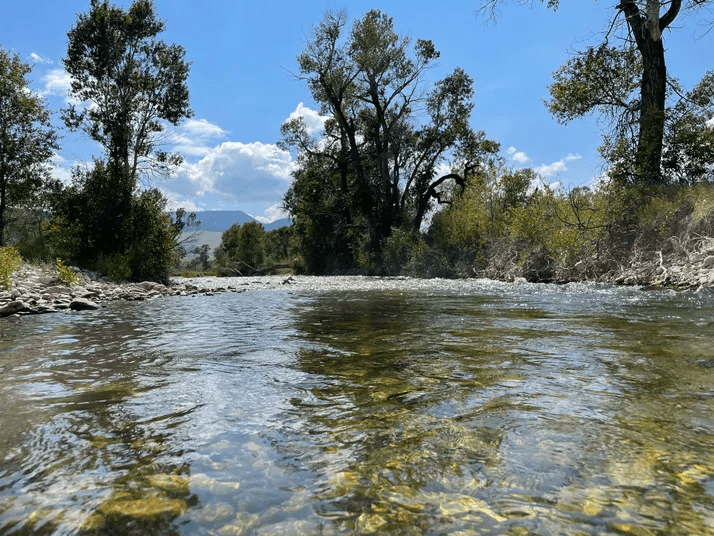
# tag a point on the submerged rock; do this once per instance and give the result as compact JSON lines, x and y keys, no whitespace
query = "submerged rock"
{"x":149,"y":507}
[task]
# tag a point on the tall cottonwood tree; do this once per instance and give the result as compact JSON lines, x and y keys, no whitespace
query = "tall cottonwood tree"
{"x":377,"y":163}
{"x":27,"y":139}
{"x":575,"y":93}
{"x":128,"y":83}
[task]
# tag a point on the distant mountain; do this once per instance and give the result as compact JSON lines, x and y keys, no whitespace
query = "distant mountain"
{"x":214,"y":223}
{"x":221,"y":220}
{"x":277,"y":224}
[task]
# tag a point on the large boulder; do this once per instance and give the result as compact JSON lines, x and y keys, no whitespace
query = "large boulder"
{"x":12,"y":308}
{"x":83,"y":304}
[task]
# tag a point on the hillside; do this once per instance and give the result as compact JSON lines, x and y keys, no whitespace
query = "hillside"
{"x":214,"y":223}
{"x":221,"y":220}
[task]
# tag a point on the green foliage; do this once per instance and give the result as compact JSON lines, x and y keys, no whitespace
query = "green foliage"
{"x":91,"y":215}
{"x":28,"y":225}
{"x":116,"y":267}
{"x":242,"y":246}
{"x":27,"y":139}
{"x":133,"y":80}
{"x":203,"y":256}
{"x":506,"y":225}
{"x":688,"y":156}
{"x":280,"y":246}
{"x":477,"y":216}
{"x":602,"y":79}
{"x":664,"y":208}
{"x":702,"y":197}
{"x":326,"y":223}
{"x":66,"y":274}
{"x":401,"y":251}
{"x":138,"y":241}
{"x":189,"y":272}
{"x":151,"y":237}
{"x":9,"y":262}
{"x":376,"y":167}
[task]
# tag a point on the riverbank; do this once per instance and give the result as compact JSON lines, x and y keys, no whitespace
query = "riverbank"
{"x":673,"y":267}
{"x":37,"y":289}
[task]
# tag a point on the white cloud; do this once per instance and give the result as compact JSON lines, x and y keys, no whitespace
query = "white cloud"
{"x":194,"y":136}
{"x":203,"y":129}
{"x":314,"y":121}
{"x":57,"y":82}
{"x":36,"y":58}
{"x":272,"y":213}
{"x":548,"y":170}
{"x":710,"y":123}
{"x":175,"y":201}
{"x":240,"y":172}
{"x":61,"y":169}
{"x":518,"y":156}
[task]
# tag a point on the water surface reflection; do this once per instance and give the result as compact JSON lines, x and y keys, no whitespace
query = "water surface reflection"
{"x":377,"y":407}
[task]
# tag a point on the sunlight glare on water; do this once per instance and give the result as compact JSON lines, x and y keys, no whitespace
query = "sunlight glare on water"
{"x":363,"y":405}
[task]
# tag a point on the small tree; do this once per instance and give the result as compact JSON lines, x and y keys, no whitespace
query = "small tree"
{"x":204,"y":256}
{"x":27,"y":140}
{"x":133,"y":83}
{"x":152,"y":236}
{"x":627,"y":83}
{"x":242,"y":245}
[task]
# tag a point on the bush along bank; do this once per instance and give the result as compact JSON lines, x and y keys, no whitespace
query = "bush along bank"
{"x":673,"y":266}
{"x":662,"y":237}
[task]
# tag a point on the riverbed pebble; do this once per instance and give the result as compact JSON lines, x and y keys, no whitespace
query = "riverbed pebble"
{"x":37,"y":289}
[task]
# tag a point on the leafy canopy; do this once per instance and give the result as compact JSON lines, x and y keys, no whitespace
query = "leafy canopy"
{"x":27,"y":139}
{"x":387,"y":138}
{"x":128,"y":82}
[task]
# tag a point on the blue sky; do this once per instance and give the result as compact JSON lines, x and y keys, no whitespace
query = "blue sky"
{"x":242,"y":90}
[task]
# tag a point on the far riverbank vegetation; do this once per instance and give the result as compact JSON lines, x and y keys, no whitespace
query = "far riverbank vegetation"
{"x":396,"y":182}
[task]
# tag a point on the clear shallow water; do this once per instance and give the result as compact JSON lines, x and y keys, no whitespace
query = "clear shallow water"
{"x":367,"y":406}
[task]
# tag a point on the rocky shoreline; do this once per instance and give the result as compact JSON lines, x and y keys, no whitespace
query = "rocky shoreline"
{"x":675,"y":267}
{"x":38,"y":289}
{"x":678,"y":268}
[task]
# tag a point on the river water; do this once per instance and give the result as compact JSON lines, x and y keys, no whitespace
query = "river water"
{"x":363,"y":406}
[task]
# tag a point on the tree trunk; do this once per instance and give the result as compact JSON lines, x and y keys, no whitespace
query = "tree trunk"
{"x":647,"y":30}
{"x":653,"y":89}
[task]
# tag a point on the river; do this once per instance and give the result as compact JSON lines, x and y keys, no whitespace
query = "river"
{"x":363,"y":406}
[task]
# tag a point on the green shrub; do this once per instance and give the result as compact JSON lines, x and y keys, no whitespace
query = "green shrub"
{"x":116,"y":267}
{"x":243,"y":244}
{"x":398,"y":249}
{"x":66,"y":274}
{"x":9,"y":262}
{"x":703,"y":199}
